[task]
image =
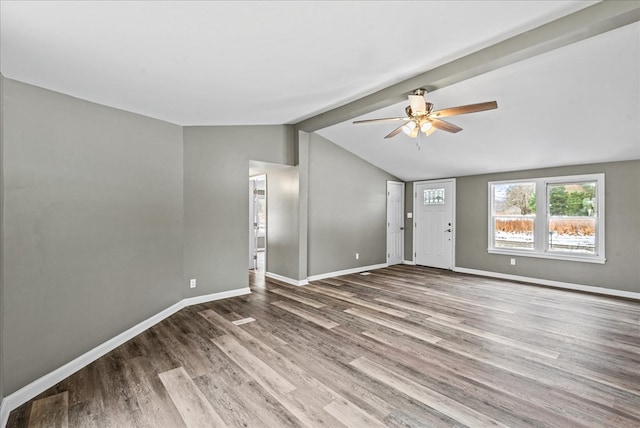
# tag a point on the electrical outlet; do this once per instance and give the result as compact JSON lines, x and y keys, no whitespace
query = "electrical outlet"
{"x":357,"y":256}
{"x":513,"y":262}
{"x":192,"y":283}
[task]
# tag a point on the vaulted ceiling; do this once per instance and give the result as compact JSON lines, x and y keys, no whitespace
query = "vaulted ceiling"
{"x":247,"y":63}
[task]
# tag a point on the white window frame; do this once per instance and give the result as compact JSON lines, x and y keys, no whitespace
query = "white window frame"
{"x":541,"y":220}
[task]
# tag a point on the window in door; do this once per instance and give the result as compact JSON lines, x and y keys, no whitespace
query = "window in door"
{"x":433,"y":197}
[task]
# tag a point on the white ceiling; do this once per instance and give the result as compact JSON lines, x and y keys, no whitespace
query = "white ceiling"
{"x":575,"y":105}
{"x":228,"y":63}
{"x":266,"y":62}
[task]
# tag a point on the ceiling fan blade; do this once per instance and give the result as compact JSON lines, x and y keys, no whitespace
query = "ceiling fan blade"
{"x":445,"y":126}
{"x":471,"y":108}
{"x":384,"y":119}
{"x":394,"y":132}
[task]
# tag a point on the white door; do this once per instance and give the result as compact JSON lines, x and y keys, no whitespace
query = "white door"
{"x":433,"y":229}
{"x":395,"y":222}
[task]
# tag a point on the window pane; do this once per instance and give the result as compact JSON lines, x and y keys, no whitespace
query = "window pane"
{"x":513,"y":232}
{"x":514,"y":199}
{"x":572,"y":199}
{"x":434,"y":197}
{"x":572,"y":212}
{"x":574,"y":235}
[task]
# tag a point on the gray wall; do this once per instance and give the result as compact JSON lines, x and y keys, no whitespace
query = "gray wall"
{"x":216,"y":207}
{"x":302,"y":147}
{"x":282,"y":222}
{"x":622,"y":211}
{"x":347,"y":209}
{"x":622,"y":205}
{"x":2,"y":301}
{"x":93,"y":226}
{"x":408,"y":222}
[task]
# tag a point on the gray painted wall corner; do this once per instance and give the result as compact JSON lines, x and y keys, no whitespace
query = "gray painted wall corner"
{"x":283,"y":223}
{"x":216,"y":210}
{"x":303,"y":208}
{"x":347,"y":209}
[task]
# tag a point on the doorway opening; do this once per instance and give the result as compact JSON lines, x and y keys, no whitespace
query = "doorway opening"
{"x":258,"y":223}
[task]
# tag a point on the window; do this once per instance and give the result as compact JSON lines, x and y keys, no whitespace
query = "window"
{"x":433,"y":197}
{"x":557,"y":217}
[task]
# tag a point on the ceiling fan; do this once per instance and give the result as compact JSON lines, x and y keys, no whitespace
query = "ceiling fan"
{"x":421,"y":117}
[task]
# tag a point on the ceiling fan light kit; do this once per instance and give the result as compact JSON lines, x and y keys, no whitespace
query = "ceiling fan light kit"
{"x":422,"y":118}
{"x":409,"y":127}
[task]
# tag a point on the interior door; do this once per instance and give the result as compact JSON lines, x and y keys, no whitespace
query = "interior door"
{"x":434,"y":204}
{"x":395,"y":222}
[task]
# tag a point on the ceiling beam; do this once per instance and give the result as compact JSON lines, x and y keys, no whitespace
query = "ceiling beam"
{"x":588,"y":22}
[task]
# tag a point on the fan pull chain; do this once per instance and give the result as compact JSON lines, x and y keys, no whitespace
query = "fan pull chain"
{"x":418,"y":141}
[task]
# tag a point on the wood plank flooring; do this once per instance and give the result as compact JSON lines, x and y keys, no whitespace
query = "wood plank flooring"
{"x":404,"y":346}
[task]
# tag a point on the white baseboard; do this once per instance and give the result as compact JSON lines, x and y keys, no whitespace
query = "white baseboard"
{"x":346,"y":272}
{"x":285,"y":279}
{"x":4,"y":413}
{"x":190,"y":301}
{"x":550,"y":283}
{"x":409,"y":262}
{"x":40,"y":385}
{"x":323,"y":275}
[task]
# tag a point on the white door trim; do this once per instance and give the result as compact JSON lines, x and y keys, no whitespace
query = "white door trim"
{"x":402,"y":185}
{"x":252,"y":187}
{"x":453,"y":207}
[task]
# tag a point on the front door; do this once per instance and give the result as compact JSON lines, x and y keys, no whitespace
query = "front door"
{"x":433,"y":205}
{"x":395,"y":222}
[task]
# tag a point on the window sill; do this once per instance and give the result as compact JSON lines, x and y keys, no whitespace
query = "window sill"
{"x":551,"y":256}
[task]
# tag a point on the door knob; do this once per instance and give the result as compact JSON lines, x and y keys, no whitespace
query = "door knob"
{"x":448,"y":230}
